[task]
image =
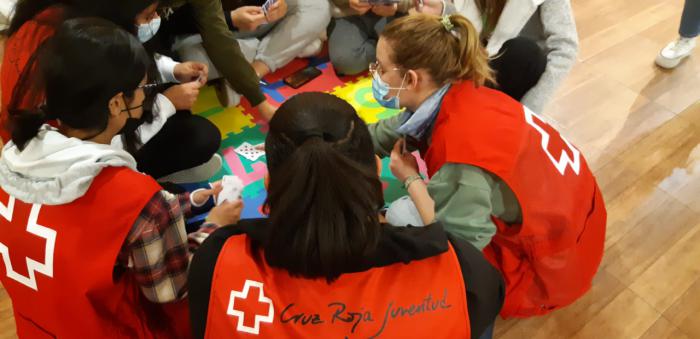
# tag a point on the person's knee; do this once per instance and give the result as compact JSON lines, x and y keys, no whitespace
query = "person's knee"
{"x":205,"y":138}
{"x":519,"y":66}
{"x":522,"y":48}
{"x":346,"y":64}
{"x":313,"y":15}
{"x":349,"y":60}
{"x":318,"y":9}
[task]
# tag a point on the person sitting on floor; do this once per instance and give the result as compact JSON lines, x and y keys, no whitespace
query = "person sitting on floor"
{"x":111,"y":245}
{"x":352,"y":41}
{"x":500,"y":176}
{"x":533,"y":45}
{"x":268,"y":38}
{"x":157,"y":142}
{"x":325,"y":264}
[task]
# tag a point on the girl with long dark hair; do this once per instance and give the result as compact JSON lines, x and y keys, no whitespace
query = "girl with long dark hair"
{"x":326,"y":253}
{"x":168,"y":138}
{"x":108,"y":248}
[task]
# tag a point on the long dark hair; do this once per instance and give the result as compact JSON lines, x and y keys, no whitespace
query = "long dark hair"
{"x":86,"y":63}
{"x":324,"y":191}
{"x":26,"y":95}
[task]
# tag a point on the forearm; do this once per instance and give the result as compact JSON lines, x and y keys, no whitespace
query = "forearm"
{"x":224,"y":51}
{"x":166,"y":68}
{"x":561,"y":48}
{"x":418,"y":191}
{"x":159,"y":250}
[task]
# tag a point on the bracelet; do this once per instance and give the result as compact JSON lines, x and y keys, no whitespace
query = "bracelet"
{"x":411,"y":180}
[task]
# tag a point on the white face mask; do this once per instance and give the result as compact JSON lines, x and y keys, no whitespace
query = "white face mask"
{"x":148,"y":30}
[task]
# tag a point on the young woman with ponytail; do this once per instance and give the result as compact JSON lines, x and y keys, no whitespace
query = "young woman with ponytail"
{"x":500,"y":176}
{"x":325,"y":264}
{"x":108,"y":247}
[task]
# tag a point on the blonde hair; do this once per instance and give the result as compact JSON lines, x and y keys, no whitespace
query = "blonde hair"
{"x":423,"y":41}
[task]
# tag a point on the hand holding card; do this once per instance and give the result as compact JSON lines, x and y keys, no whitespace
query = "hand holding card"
{"x":266,"y":6}
{"x":232,"y":187}
{"x":274,"y":10}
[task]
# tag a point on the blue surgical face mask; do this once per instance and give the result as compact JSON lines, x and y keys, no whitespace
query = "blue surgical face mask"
{"x":380,"y":90}
{"x":148,"y":30}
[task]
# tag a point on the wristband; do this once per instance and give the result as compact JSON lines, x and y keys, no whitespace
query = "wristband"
{"x":411,"y":180}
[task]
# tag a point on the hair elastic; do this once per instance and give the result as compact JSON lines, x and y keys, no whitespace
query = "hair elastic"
{"x":447,"y":23}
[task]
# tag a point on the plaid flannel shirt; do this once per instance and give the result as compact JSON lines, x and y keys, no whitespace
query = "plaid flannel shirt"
{"x":157,"y":250}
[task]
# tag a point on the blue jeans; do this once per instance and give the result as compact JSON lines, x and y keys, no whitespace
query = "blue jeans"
{"x":690,"y":20}
{"x":488,"y":333}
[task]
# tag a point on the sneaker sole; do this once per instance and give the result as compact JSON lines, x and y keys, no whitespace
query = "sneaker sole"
{"x":669,"y":63}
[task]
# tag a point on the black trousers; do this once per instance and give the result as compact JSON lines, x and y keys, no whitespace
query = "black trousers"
{"x":519,"y":66}
{"x":185,"y":141}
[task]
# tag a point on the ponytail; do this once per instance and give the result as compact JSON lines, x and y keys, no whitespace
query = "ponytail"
{"x":25,"y":126}
{"x":473,"y":58}
{"x":25,"y":114}
{"x":324,"y":193}
{"x":418,"y":40}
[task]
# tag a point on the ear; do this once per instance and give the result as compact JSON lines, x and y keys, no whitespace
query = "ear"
{"x":116,"y":104}
{"x":266,"y":181}
{"x":412,"y":79}
{"x":379,"y":165}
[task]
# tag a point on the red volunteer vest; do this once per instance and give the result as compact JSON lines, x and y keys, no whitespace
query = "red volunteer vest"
{"x":58,"y":264}
{"x":550,"y":259}
{"x":423,"y":299}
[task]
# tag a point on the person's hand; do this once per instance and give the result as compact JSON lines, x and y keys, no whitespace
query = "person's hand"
{"x":385,"y":10}
{"x":434,"y":7}
{"x":191,"y":71}
{"x":402,"y":165}
{"x":360,"y":6}
{"x":248,"y":18}
{"x":201,"y":197}
{"x":184,"y":96}
{"x":277,"y":11}
{"x":226,"y":214}
{"x":267,"y":111}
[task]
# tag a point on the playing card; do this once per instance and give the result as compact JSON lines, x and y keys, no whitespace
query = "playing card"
{"x":266,"y":6}
{"x":249,"y":151}
{"x":232,"y":186}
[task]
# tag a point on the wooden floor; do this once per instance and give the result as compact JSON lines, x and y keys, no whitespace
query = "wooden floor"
{"x":639,"y":127}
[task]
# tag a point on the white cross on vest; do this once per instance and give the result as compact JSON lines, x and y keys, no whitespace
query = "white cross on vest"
{"x":243,"y":295}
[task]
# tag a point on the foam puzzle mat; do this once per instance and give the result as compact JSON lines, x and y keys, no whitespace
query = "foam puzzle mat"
{"x":242,"y":124}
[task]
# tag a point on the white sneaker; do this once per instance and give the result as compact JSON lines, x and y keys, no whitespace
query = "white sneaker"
{"x":311,"y":49}
{"x":675,"y":52}
{"x":199,"y":173}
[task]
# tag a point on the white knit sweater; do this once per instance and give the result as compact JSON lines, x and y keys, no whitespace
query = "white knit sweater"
{"x":550,"y":23}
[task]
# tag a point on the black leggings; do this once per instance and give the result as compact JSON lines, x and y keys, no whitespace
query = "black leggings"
{"x":185,"y":141}
{"x":519,"y":66}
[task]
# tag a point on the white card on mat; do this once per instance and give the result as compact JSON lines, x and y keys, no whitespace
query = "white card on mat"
{"x":249,"y":151}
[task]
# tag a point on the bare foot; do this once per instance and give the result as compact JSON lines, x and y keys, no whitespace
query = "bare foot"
{"x":260,"y":68}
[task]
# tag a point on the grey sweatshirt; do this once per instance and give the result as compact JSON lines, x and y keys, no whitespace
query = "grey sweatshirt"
{"x":550,"y":23}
